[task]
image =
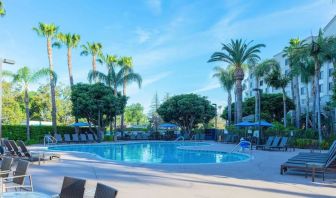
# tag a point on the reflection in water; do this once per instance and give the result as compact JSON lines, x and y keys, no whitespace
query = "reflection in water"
{"x":154,"y":152}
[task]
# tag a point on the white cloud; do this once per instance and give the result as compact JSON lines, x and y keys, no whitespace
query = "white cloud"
{"x":210,"y":86}
{"x":142,"y":35}
{"x":155,"y":6}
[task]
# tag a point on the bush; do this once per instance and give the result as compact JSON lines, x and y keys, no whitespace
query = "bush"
{"x":18,"y":132}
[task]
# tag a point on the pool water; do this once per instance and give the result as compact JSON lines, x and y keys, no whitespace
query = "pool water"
{"x":155,"y":152}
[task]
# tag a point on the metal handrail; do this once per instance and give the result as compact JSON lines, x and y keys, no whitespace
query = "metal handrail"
{"x":179,"y":138}
{"x":48,"y":139}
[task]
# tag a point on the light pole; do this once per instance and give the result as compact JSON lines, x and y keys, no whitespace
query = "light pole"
{"x":258,"y":92}
{"x":10,"y":62}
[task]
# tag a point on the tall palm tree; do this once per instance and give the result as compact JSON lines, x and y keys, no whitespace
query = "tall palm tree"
{"x":49,"y":31}
{"x":112,"y":79}
{"x":129,"y":77}
{"x":70,"y":41}
{"x":318,"y":51}
{"x":306,"y":68}
{"x":2,"y":9}
{"x":24,"y":76}
{"x":236,"y":53}
{"x":291,"y":52}
{"x":226,"y":79}
{"x":95,"y":50}
{"x":279,"y":81}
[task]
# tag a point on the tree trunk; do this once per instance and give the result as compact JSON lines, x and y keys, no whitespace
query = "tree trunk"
{"x":70,"y":67}
{"x":297,"y":103}
{"x":26,"y":100}
{"x":314,"y":104}
{"x":52,"y":87}
{"x":239,"y":76}
{"x":94,"y":68}
{"x":256,"y":104}
{"x":318,"y":105}
{"x":307,"y":106}
{"x":124,"y":93}
{"x":229,"y":107}
{"x":293,"y":116}
{"x":284,"y":106}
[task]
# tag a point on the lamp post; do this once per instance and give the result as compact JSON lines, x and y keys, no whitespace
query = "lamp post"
{"x":258,"y":92}
{"x":10,"y":62}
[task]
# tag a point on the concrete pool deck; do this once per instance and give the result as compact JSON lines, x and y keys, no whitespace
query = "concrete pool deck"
{"x":259,"y":177}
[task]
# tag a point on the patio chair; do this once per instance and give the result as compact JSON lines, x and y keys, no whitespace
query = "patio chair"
{"x":267,"y":144}
{"x":83,"y":137}
{"x":6,"y":166}
{"x":72,"y":188}
{"x":16,"y":148}
{"x":274,"y":144}
{"x":17,"y":181}
{"x":104,"y":191}
{"x":90,"y":137}
{"x":58,"y":138}
{"x":282,"y":144}
{"x":67,"y":138}
{"x":75,"y":138}
{"x":9,"y":148}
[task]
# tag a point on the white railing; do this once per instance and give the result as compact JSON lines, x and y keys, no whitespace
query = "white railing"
{"x":179,"y":138}
{"x":48,"y":139}
{"x":242,"y":146}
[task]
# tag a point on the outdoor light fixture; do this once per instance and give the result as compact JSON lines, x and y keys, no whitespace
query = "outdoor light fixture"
{"x":10,"y":62}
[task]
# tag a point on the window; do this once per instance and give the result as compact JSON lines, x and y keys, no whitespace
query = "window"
{"x":286,"y":71}
{"x":250,"y":93}
{"x":331,"y":70}
{"x":266,"y":90}
{"x":286,"y":61}
{"x":321,"y":75}
{"x":303,"y":101}
{"x":250,"y":84}
{"x":302,"y":90}
{"x":330,"y":86}
{"x":321,"y":88}
{"x":261,"y":83}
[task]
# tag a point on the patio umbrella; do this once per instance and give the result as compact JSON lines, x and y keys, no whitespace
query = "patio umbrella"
{"x":167,"y":125}
{"x":80,"y":124}
{"x":245,"y":124}
{"x":263,"y":123}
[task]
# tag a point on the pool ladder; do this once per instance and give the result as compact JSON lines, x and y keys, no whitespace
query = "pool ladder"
{"x":48,"y":139}
{"x":239,"y":147}
{"x":179,"y":138}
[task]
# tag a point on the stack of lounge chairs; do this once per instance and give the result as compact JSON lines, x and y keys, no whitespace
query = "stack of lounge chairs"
{"x":76,"y":138}
{"x":274,"y":143}
{"x":314,"y":162}
{"x":77,"y":188}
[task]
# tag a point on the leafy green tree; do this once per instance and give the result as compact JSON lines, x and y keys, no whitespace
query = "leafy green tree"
{"x":271,"y":107}
{"x":96,"y":103}
{"x":70,"y":41}
{"x":279,"y":81}
{"x":187,"y":110}
{"x":13,"y":109}
{"x":95,"y":50}
{"x":134,"y":114}
{"x":49,"y":31}
{"x":236,"y":53}
{"x":24,"y":77}
{"x":2,"y":9}
{"x":226,"y":79}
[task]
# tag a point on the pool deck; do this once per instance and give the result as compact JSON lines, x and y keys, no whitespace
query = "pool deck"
{"x":259,"y":177}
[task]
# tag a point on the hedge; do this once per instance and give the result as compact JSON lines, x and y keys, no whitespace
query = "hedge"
{"x":18,"y":132}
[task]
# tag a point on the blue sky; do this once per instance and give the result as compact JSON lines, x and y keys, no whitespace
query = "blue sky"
{"x":170,"y":41}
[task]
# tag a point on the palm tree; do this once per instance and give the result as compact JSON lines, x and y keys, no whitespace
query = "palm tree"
{"x":24,"y":77}
{"x":129,"y":77}
{"x":278,"y":81}
{"x":95,"y":50}
{"x":70,"y":41}
{"x":291,"y":52}
{"x":2,"y":9}
{"x":49,"y":31}
{"x":318,"y":49}
{"x":306,"y":72}
{"x":236,"y":53}
{"x":226,"y":79}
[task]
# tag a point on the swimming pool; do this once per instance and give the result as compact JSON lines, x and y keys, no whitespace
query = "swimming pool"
{"x":155,"y":153}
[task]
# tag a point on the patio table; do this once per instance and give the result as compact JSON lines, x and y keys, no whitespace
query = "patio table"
{"x":24,"y":195}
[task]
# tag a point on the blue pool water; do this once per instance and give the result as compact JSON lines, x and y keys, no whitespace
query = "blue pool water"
{"x":154,"y":152}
